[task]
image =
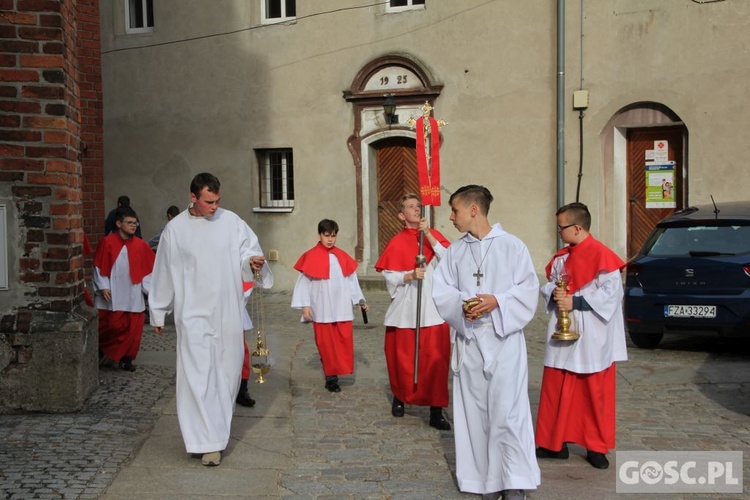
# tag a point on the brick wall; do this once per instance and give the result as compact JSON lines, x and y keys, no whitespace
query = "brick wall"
{"x":50,"y":130}
{"x":90,"y":87}
{"x":42,"y":133}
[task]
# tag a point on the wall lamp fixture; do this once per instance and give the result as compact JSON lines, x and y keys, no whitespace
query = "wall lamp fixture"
{"x":389,"y":110}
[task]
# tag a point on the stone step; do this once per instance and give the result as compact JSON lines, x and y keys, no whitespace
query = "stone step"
{"x":372,"y":283}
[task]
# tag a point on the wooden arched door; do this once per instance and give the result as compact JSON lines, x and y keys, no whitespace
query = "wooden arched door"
{"x":397,"y":175}
{"x":641,"y":145}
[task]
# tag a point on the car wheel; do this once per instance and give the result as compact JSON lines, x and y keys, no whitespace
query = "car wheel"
{"x":646,"y":340}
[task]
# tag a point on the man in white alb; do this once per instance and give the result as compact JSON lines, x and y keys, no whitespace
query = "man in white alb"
{"x":197,"y":275}
{"x":486,"y":288}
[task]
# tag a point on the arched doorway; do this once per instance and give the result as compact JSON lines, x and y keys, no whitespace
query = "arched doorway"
{"x":383,"y":150}
{"x":643,"y":144}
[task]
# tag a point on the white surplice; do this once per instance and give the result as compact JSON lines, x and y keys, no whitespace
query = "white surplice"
{"x":402,"y":311}
{"x":493,"y":428}
{"x":602,"y":330}
{"x":198,"y":274}
{"x":124,"y":294}
{"x":331,"y":299}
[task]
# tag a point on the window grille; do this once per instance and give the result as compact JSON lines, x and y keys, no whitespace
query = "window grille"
{"x":276,"y":178}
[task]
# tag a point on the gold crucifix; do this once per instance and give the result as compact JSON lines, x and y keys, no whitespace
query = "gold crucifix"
{"x":426,"y":112}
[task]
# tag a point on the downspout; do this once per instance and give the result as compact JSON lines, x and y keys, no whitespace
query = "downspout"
{"x":560,"y":107}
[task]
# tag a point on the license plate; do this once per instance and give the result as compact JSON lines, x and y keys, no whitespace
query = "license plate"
{"x":690,"y":311}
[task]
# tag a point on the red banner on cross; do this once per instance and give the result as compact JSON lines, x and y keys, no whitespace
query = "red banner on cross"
{"x":428,"y":160}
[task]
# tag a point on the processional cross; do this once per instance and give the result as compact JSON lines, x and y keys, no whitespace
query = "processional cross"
{"x":428,"y":166}
{"x":428,"y":155}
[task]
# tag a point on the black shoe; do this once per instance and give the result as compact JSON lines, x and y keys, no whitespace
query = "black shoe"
{"x":244,"y":399}
{"x":333,"y":386}
{"x":104,"y":361}
{"x":437,"y":420}
{"x":127,"y":365}
{"x":545,"y":453}
{"x":598,"y":460}
{"x":397,"y":407}
{"x":513,"y":495}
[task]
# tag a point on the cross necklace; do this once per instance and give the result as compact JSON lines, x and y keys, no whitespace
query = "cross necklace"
{"x":479,"y":275}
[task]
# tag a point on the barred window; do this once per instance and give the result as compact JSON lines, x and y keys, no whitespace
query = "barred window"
{"x":139,"y":16}
{"x":276,"y":178}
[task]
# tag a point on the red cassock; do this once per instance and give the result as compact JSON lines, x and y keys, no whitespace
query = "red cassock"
{"x":120,"y":332}
{"x":246,"y":363}
{"x":335,"y":341}
{"x":434,"y":363}
{"x":434,"y":341}
{"x":577,"y":408}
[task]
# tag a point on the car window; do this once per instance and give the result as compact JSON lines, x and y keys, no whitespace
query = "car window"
{"x":699,"y":241}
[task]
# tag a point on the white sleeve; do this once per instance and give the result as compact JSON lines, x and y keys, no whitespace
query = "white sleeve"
{"x":301,"y":295}
{"x":394,"y":280}
{"x":100,"y":282}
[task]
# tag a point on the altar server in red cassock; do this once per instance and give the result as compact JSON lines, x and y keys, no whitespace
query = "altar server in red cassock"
{"x":577,"y":401}
{"x":398,"y":265}
{"x":326,"y":290}
{"x":122,"y":274}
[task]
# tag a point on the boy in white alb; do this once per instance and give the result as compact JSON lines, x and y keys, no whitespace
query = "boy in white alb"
{"x":487,"y":290}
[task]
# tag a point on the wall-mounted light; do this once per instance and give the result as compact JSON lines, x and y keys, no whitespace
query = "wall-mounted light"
{"x":389,"y":110}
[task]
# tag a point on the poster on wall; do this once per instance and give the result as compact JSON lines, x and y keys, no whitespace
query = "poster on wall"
{"x":660,"y":151}
{"x":660,"y":185}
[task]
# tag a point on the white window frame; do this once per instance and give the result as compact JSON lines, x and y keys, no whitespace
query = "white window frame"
{"x":267,"y":204}
{"x":140,"y":29}
{"x":409,"y":6}
{"x":264,"y":19}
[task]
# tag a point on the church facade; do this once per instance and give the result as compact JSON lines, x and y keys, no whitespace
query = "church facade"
{"x":545,"y":103}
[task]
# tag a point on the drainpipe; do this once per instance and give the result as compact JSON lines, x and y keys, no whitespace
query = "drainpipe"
{"x":560,"y":107}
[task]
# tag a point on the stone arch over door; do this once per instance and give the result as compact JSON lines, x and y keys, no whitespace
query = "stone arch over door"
{"x":410,"y":85}
{"x":624,"y":142}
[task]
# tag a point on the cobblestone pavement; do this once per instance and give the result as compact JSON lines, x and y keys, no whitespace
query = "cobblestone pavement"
{"x":301,"y":441}
{"x":78,"y":455}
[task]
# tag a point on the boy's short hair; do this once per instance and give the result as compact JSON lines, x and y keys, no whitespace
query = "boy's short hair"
{"x":578,"y":213}
{"x":173,"y":211}
{"x":124,"y":211}
{"x":328,"y":226}
{"x":205,"y":180}
{"x":407,"y":197}
{"x":472,"y":193}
